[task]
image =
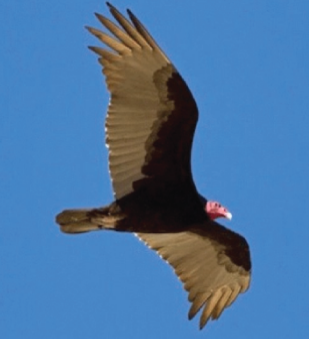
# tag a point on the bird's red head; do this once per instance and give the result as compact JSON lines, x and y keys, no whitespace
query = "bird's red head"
{"x":216,"y":210}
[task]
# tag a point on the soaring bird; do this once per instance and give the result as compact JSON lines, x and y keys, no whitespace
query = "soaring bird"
{"x":150,"y":125}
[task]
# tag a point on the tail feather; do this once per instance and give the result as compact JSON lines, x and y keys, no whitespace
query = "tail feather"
{"x":77,"y":221}
{"x":86,"y":220}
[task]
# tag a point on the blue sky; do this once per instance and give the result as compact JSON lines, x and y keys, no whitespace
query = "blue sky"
{"x":246,"y":63}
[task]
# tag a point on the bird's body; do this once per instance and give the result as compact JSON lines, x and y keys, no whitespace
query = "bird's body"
{"x":150,"y":126}
{"x":142,"y":211}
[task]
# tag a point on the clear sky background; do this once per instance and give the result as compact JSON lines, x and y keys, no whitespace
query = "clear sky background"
{"x":247,"y":64}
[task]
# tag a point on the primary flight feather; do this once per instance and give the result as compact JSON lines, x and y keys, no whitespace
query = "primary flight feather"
{"x":150,"y":126}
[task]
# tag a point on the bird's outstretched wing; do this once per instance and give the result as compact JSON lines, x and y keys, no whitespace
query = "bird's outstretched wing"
{"x":214,"y":266}
{"x":152,"y":114}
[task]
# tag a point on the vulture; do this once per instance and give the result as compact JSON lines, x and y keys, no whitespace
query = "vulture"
{"x":149,"y":127}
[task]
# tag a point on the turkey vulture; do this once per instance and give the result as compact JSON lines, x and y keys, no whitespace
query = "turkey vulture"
{"x":150,"y":125}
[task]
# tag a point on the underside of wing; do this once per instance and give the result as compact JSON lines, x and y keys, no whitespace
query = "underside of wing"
{"x":208,"y":273}
{"x":152,"y":114}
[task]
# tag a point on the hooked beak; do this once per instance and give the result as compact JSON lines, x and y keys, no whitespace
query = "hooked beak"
{"x":228,"y":215}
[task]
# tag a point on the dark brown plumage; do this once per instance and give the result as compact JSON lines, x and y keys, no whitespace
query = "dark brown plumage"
{"x":150,"y":126}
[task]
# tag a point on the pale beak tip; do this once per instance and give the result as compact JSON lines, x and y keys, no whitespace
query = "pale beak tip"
{"x":228,"y":215}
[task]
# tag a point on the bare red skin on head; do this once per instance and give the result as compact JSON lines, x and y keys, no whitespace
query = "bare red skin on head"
{"x":216,"y":210}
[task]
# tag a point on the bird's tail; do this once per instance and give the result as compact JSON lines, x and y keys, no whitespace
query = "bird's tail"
{"x":85,"y":220}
